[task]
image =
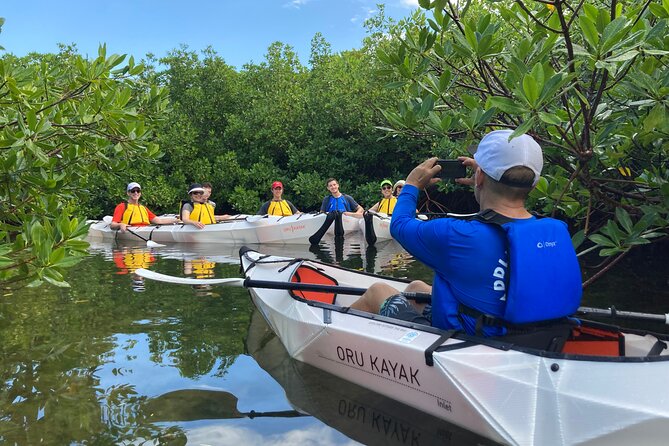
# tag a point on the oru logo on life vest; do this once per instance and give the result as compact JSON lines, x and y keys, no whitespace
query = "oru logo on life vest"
{"x":546,"y":244}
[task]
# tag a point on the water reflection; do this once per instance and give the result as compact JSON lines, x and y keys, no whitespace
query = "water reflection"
{"x":128,"y":259}
{"x":361,"y":414}
{"x":84,"y":365}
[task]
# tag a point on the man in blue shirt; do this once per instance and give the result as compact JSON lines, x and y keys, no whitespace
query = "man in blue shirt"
{"x":469,"y":257}
{"x":337,"y":201}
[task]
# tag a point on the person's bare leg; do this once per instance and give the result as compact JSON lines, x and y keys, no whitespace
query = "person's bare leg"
{"x":374,"y":297}
{"x":418,"y":286}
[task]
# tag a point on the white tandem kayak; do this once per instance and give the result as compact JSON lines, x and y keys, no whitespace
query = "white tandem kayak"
{"x":241,"y":229}
{"x":509,"y":394}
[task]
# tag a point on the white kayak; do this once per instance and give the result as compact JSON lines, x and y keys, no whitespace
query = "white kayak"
{"x":507,"y":393}
{"x":241,"y":229}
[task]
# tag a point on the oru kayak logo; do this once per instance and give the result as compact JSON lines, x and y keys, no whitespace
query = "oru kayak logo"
{"x":379,"y":366}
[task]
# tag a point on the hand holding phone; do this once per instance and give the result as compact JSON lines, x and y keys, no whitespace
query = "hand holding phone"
{"x":451,"y":169}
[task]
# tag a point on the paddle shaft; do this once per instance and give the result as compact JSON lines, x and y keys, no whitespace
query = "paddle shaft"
{"x":427,"y":298}
{"x":137,"y":235}
{"x":355,"y":291}
{"x":612,"y":312}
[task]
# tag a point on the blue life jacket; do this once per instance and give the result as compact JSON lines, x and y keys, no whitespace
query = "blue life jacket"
{"x":542,"y":277}
{"x":339,"y":204}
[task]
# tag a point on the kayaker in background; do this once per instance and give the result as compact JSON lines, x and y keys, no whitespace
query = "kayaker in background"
{"x":397,"y":188}
{"x":131,"y":213}
{"x":387,"y":203}
{"x":337,"y":201}
{"x":277,"y":205}
{"x":197,"y":211}
{"x":474,"y":288}
{"x":207,"y":193}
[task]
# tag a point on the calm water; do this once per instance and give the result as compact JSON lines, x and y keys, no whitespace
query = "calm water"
{"x":115,"y":360}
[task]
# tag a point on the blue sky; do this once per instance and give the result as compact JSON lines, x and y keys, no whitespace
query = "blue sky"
{"x":239,"y":30}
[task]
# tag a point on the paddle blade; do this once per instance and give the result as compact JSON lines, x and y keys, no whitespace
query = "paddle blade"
{"x":190,"y":405}
{"x":152,"y":244}
{"x":187,"y":280}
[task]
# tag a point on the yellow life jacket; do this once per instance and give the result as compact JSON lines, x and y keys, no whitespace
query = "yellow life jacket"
{"x":387,"y":205}
{"x":135,"y":214}
{"x":203,"y":212}
{"x":279,"y":208}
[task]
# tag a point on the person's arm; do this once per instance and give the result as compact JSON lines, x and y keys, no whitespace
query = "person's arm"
{"x":118,"y":216}
{"x":185,"y":217}
{"x":324,"y":204}
{"x":163,"y":220}
{"x":263,"y":209}
{"x":422,"y":239}
{"x":359,"y":210}
{"x":375,"y":208}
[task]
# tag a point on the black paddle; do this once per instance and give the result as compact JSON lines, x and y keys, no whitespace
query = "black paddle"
{"x":149,"y":243}
{"x":339,"y":224}
{"x":370,"y":235}
{"x":418,"y":297}
{"x":318,"y":235}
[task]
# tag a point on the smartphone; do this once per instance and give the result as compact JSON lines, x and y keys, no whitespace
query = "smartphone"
{"x":451,"y":169}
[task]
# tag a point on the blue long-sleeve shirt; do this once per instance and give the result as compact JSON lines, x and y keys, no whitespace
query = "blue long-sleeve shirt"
{"x":468,"y":258}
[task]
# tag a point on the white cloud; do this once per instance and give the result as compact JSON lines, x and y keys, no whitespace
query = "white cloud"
{"x":298,"y":3}
{"x":364,"y":16}
{"x":226,"y":435}
{"x":409,"y":3}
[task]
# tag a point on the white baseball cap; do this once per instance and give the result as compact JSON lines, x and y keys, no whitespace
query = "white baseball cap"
{"x":133,"y":185}
{"x":495,"y":154}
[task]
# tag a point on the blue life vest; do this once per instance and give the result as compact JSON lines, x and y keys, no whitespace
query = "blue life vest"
{"x":338,"y":204}
{"x":542,"y":277}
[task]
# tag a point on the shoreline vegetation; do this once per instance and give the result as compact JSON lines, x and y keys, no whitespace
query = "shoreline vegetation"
{"x":588,"y":81}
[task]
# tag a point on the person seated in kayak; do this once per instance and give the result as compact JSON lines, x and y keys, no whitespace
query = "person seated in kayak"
{"x":277,"y":205}
{"x":207,"y":193}
{"x":477,"y":286}
{"x":197,"y":212}
{"x":337,"y":201}
{"x":387,"y":203}
{"x":397,"y":188}
{"x":131,"y":213}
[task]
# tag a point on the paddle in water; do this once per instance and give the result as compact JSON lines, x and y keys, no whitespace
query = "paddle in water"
{"x":318,"y":235}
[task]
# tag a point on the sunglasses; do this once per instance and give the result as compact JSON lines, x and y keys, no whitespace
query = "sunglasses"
{"x":135,"y":191}
{"x":278,"y":188}
{"x":399,"y":187}
{"x":197,"y":193}
{"x":386,"y":187}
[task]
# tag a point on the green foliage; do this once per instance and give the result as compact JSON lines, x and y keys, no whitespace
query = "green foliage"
{"x":589,"y":81}
{"x":63,"y":121}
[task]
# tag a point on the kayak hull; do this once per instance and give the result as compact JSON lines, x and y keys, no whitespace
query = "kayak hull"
{"x":242,"y":229}
{"x":507,"y":394}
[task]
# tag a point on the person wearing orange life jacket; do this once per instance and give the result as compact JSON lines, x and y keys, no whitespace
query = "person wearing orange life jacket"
{"x":197,"y":211}
{"x":277,"y":205}
{"x":131,"y":213}
{"x":387,"y":203}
